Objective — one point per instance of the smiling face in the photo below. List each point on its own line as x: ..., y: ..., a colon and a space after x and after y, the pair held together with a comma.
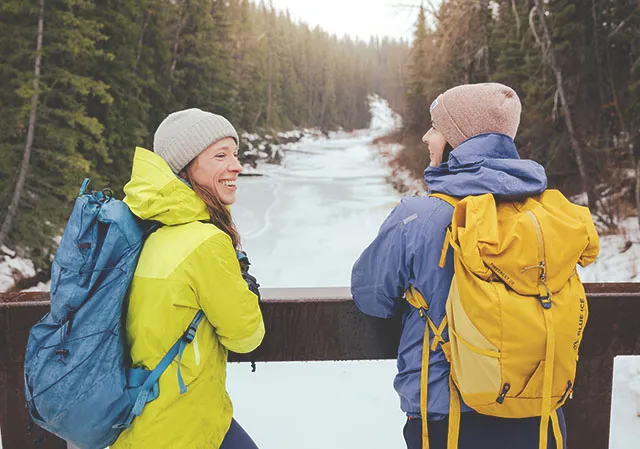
x: 216, y: 169
x: 436, y: 143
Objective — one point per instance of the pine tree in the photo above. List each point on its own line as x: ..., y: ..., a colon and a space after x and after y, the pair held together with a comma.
x: 111, y: 71
x: 417, y: 116
x: 66, y: 140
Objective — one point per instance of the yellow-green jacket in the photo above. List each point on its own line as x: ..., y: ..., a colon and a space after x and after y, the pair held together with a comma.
x: 186, y: 265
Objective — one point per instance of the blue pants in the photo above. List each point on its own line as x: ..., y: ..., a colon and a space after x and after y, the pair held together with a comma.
x: 237, y: 438
x: 483, y: 432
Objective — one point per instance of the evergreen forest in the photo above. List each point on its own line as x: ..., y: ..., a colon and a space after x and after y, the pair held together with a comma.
x: 575, y: 65
x: 85, y: 82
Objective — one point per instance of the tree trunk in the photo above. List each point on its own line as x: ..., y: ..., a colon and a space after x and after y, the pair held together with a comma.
x: 175, y: 46
x: 141, y: 40
x: 484, y: 8
x: 24, y: 167
x: 517, y: 16
x: 550, y: 57
x: 596, y: 51
x: 269, y: 86
x: 638, y: 185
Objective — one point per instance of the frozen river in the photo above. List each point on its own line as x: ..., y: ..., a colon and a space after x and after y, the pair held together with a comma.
x: 303, y: 224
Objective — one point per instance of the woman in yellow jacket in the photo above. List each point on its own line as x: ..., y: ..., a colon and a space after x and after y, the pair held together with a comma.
x: 189, y: 264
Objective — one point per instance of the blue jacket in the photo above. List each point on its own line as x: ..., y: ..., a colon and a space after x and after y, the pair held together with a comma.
x: 407, y: 250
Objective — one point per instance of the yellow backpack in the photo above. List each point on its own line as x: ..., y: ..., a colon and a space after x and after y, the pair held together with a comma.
x: 516, y: 309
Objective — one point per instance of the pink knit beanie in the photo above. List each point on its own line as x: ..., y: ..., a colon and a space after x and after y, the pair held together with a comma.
x: 471, y: 109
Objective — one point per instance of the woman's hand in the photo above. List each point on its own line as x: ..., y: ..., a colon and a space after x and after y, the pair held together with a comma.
x: 251, y: 281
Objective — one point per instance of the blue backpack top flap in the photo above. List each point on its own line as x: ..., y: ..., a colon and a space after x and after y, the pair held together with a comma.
x: 100, y: 237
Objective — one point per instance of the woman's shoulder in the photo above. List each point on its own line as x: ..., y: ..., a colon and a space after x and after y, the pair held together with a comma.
x: 195, y: 230
x: 423, y: 207
x: 187, y: 238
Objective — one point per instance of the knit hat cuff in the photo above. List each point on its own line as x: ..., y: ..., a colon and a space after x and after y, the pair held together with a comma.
x: 444, y: 123
x: 188, y: 144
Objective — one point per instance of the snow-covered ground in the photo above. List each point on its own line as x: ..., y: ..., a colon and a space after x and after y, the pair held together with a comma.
x: 625, y: 403
x: 12, y: 268
x: 619, y: 258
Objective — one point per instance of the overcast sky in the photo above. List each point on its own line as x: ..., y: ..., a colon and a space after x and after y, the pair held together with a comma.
x: 357, y: 18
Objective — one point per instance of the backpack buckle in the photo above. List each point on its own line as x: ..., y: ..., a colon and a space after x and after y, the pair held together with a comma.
x: 545, y: 301
x: 544, y: 295
x: 189, y: 335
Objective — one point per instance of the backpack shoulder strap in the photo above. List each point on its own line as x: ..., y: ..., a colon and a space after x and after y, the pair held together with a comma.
x: 453, y: 201
x: 176, y: 350
x: 447, y: 198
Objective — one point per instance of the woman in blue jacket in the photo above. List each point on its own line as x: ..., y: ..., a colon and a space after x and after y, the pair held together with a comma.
x: 472, y: 152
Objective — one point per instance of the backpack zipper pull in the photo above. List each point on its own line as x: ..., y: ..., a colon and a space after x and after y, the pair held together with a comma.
x: 568, y: 392
x: 503, y: 393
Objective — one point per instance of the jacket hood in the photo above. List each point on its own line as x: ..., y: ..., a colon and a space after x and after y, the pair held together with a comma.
x: 155, y: 193
x: 487, y: 163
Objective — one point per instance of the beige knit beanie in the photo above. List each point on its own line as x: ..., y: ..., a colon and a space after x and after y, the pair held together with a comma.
x: 183, y: 135
x: 471, y: 109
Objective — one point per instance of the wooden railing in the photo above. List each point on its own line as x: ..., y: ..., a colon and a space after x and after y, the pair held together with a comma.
x: 324, y: 324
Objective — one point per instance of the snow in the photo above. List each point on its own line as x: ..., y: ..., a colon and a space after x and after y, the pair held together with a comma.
x: 13, y: 268
x: 316, y: 211
x: 318, y: 405
x: 383, y: 118
x: 619, y: 258
x: 625, y: 403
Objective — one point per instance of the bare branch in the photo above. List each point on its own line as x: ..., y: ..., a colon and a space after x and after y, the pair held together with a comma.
x: 517, y: 16
x: 431, y: 8
x: 532, y: 25
x: 622, y: 24
x: 550, y: 58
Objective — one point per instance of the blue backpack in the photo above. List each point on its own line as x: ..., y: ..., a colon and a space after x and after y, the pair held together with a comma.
x: 79, y: 383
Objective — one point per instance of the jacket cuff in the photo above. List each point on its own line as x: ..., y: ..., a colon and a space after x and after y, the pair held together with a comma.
x: 247, y: 344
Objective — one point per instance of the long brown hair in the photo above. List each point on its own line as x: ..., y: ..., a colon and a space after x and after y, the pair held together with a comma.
x: 219, y: 214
